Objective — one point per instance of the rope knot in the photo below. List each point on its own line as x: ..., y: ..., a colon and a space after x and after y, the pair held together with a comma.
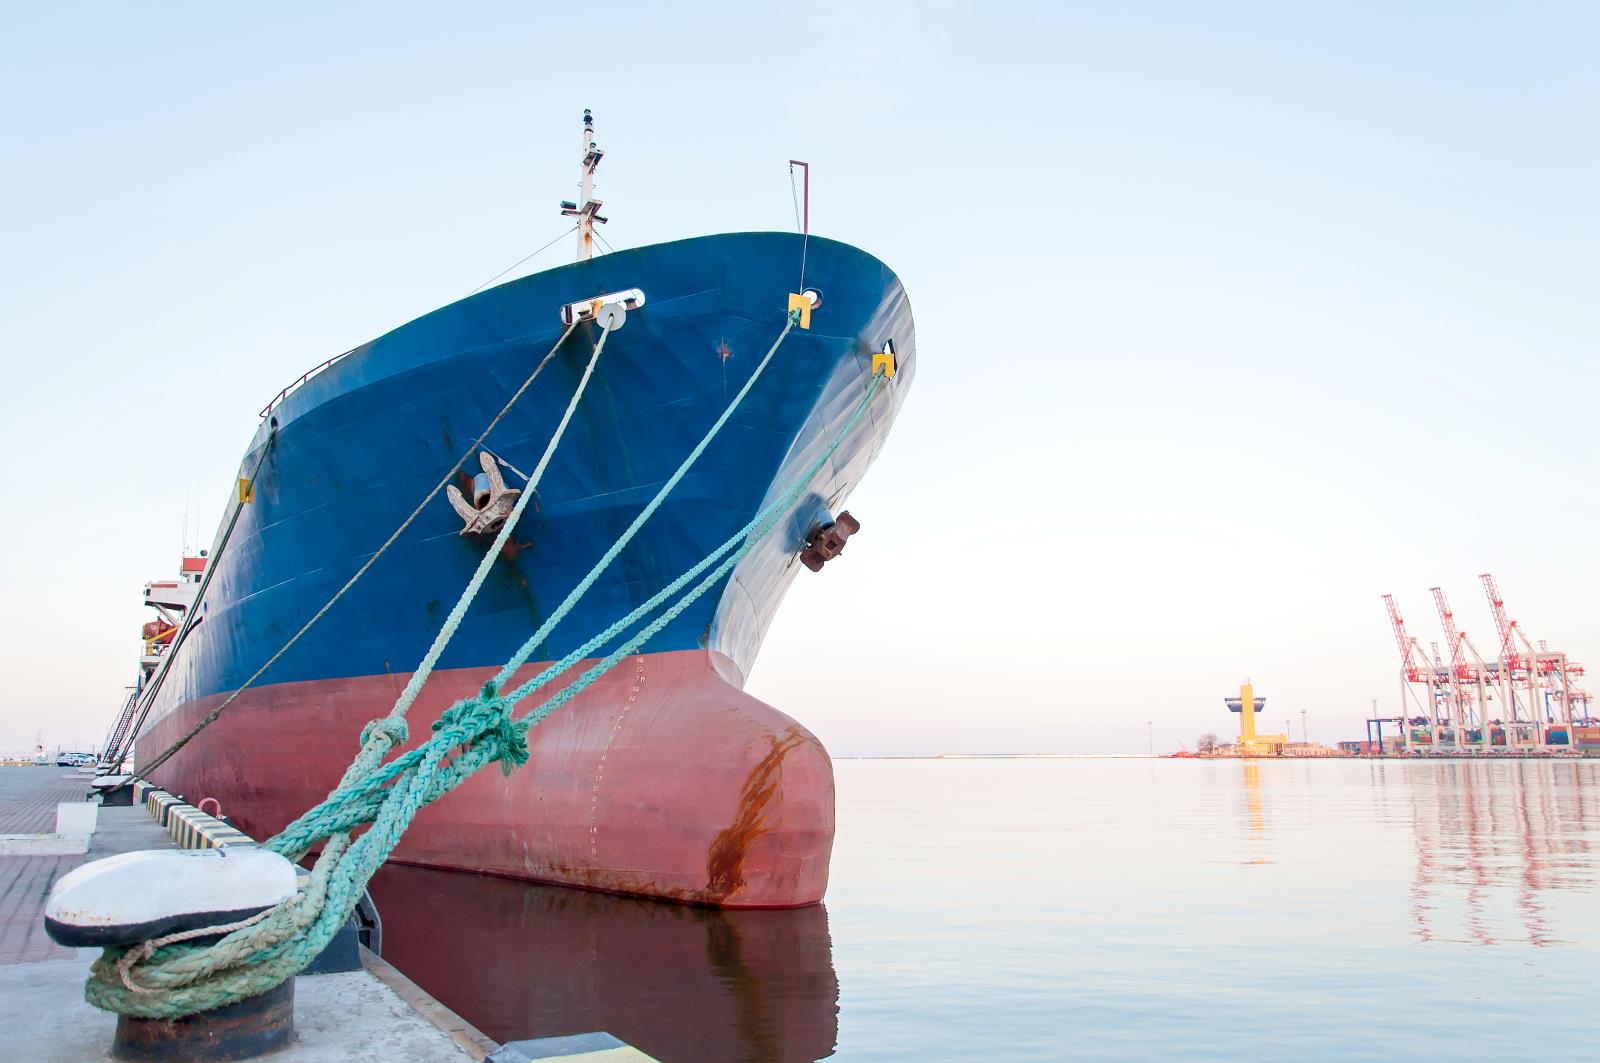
x: 394, y: 731
x: 487, y: 718
x: 511, y: 743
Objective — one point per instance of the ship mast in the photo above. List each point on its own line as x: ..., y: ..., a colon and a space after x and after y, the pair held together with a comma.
x: 587, y: 209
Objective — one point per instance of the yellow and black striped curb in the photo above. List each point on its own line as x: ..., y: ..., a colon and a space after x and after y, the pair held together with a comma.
x: 189, y: 827
x: 192, y: 828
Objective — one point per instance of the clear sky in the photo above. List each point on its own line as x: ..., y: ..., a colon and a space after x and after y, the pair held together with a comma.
x: 1231, y: 317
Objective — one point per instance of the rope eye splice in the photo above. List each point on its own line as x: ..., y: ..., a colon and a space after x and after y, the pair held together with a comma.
x: 394, y: 732
x: 171, y: 979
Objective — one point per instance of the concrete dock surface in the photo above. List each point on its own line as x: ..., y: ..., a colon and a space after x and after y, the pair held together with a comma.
x: 375, y: 1013
x: 336, y: 1017
x: 28, y: 799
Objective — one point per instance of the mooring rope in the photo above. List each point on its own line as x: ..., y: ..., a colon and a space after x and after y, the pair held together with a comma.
x: 189, y: 617
x: 377, y: 738
x: 363, y: 797
x: 519, y: 658
x: 179, y: 978
x: 143, y: 771
x: 447, y: 630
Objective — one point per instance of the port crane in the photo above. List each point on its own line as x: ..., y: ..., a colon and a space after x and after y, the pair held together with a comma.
x: 1523, y: 698
x: 1544, y: 677
x: 1416, y: 671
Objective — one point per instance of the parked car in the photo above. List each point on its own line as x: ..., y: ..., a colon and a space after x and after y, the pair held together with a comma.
x: 74, y: 760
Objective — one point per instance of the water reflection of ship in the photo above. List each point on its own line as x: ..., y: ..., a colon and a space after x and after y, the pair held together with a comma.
x: 521, y: 960
x: 1485, y: 832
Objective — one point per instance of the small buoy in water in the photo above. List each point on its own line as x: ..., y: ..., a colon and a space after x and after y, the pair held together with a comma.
x: 134, y: 897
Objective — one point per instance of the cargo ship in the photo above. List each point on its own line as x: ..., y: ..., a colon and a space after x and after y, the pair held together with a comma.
x: 665, y: 779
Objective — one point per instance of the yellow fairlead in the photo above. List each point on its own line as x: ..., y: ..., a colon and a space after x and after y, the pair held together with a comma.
x: 799, y: 301
x: 885, y: 358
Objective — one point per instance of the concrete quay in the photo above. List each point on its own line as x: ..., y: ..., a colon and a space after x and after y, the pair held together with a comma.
x: 372, y: 1013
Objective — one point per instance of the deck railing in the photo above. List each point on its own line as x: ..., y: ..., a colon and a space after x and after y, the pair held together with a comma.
x: 301, y: 379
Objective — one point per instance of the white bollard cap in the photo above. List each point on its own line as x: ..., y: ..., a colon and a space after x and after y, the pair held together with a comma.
x: 134, y: 897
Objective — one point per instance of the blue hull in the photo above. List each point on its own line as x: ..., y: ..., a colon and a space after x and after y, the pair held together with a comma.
x: 363, y: 441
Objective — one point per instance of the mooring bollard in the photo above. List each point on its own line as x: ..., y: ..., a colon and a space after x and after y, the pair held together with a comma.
x: 250, y: 1028
x: 125, y: 900
x: 114, y: 791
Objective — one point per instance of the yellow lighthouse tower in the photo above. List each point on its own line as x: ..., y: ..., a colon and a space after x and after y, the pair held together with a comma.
x: 1250, y: 743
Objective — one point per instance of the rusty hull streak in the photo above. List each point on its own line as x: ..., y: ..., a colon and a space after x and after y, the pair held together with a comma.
x: 726, y: 855
x: 725, y: 859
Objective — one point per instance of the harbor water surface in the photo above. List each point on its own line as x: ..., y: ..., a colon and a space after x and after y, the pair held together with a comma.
x: 1042, y: 909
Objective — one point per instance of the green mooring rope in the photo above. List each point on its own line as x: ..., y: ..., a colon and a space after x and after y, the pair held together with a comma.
x: 176, y: 978
x: 171, y: 978
x: 144, y: 771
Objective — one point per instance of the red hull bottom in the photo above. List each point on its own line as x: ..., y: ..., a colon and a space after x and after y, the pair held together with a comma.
x: 662, y: 780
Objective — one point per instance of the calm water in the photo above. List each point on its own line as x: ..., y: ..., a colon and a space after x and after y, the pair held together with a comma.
x: 1072, y: 909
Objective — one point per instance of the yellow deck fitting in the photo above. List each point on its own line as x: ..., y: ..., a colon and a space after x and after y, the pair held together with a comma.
x: 801, y: 303
x: 885, y: 358
x: 247, y: 491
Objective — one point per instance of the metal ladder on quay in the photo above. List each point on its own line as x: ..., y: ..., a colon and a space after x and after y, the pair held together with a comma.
x: 119, y: 730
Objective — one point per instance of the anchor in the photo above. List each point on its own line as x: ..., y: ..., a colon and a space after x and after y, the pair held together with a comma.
x: 492, y: 501
x: 827, y: 538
